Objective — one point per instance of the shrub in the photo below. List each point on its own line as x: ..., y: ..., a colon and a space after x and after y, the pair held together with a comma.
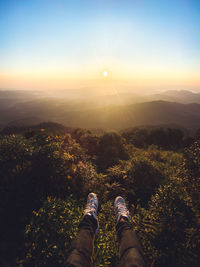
x: 50, y: 232
x: 32, y: 169
x: 106, y: 250
x: 166, y: 228
x: 139, y: 178
x: 111, y: 149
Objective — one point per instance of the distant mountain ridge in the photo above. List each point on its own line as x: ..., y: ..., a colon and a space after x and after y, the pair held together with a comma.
x: 180, y: 96
x: 148, y: 113
x: 116, y: 113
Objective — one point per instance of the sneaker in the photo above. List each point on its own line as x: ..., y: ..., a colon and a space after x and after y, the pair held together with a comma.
x: 121, y: 209
x: 91, y: 206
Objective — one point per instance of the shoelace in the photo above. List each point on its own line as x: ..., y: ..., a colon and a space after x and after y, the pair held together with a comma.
x: 90, y: 206
x: 121, y: 208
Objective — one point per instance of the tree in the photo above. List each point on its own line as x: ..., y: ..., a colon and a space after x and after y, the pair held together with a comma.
x: 111, y: 150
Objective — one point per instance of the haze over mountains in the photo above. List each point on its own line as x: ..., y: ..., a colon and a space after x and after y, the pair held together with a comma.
x: 91, y: 108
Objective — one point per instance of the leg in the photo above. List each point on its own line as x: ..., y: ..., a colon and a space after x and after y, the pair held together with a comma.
x: 81, y: 251
x: 131, y: 254
x: 82, y: 247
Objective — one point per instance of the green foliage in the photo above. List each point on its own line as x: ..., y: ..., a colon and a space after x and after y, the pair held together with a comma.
x: 111, y: 150
x: 106, y: 250
x: 168, y: 226
x: 192, y: 159
x: 190, y: 174
x: 50, y: 232
x: 167, y: 162
x: 165, y: 138
x: 63, y: 166
x: 32, y: 169
x: 15, y: 152
x: 45, y: 178
x: 138, y: 179
x: 29, y: 131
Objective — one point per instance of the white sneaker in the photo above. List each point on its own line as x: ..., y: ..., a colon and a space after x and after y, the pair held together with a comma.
x: 121, y: 209
x: 91, y: 206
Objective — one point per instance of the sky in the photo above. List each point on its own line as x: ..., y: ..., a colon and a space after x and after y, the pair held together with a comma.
x: 142, y: 45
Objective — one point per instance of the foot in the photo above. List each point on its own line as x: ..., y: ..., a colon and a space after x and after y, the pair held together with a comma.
x: 121, y: 209
x: 91, y: 206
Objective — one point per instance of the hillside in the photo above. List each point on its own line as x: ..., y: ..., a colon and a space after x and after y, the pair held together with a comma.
x: 82, y: 108
x: 47, y: 170
x: 148, y: 113
x: 110, y: 117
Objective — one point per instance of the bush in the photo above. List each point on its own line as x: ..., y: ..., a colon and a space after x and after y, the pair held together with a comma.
x: 167, y: 226
x: 30, y: 171
x: 111, y: 149
x: 106, y: 250
x: 50, y: 232
x: 138, y: 179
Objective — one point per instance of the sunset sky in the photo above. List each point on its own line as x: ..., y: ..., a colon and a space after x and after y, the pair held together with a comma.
x: 141, y: 44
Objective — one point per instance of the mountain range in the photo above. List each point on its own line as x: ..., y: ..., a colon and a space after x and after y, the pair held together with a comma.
x: 113, y: 111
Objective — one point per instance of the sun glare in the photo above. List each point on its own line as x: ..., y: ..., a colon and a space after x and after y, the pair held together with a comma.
x: 105, y: 73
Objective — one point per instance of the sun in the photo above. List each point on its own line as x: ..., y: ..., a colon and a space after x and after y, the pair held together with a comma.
x: 105, y: 74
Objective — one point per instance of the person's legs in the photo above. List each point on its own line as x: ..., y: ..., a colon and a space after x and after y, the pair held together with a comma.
x: 82, y: 247
x: 81, y: 250
x: 131, y: 254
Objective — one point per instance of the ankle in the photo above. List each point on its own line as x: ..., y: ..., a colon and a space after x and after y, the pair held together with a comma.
x: 124, y: 219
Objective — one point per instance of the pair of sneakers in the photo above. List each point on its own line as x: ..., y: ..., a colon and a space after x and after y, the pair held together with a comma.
x: 119, y: 206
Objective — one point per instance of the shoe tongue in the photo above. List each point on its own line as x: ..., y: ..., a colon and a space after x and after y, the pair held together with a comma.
x: 121, y: 207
